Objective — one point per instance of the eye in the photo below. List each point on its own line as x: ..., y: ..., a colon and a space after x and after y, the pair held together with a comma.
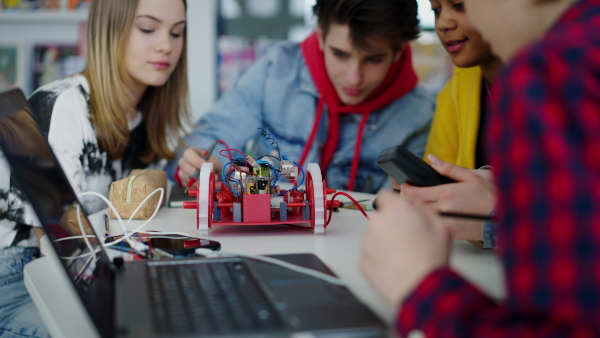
x: 146, y: 31
x: 375, y: 60
x: 339, y: 54
x: 176, y: 35
x: 459, y: 6
x: 436, y: 11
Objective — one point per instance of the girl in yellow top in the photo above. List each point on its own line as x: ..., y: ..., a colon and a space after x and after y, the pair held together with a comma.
x: 455, y: 134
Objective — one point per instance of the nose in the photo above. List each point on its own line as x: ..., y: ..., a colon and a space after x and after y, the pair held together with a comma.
x: 445, y: 21
x: 354, y: 73
x: 164, y: 44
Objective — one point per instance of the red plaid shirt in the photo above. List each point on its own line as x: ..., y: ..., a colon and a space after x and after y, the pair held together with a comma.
x: 544, y: 141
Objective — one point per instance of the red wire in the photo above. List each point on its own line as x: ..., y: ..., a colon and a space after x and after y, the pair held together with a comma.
x: 227, y: 148
x: 230, y: 155
x: 236, y: 168
x: 353, y: 201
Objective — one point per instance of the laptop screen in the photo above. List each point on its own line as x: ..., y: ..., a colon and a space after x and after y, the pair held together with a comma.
x: 43, y: 183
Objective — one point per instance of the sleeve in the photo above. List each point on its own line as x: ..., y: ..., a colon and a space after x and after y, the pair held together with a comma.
x: 417, y: 141
x: 443, y: 135
x: 422, y: 110
x: 234, y: 118
x: 69, y: 132
x: 489, y: 233
x: 541, y: 137
x: 13, y: 204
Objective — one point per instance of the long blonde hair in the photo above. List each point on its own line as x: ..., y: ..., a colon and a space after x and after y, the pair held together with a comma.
x: 164, y: 109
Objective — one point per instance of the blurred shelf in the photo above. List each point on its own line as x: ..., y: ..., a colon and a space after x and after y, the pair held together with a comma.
x: 42, y: 17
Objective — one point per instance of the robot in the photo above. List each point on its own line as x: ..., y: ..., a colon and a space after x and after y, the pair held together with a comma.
x: 249, y: 195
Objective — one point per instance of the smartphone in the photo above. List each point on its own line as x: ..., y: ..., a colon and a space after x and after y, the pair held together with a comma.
x: 182, y: 246
x: 171, y: 246
x: 404, y: 166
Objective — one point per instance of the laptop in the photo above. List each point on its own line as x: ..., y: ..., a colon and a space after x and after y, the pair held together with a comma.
x: 186, y: 297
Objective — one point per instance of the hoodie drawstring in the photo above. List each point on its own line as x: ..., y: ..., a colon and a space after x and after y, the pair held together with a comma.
x: 356, y: 159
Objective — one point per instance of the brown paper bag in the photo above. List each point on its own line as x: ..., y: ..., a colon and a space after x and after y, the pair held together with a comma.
x: 127, y: 194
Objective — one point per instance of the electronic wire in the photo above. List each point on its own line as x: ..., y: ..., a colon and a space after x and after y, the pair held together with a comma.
x: 126, y: 233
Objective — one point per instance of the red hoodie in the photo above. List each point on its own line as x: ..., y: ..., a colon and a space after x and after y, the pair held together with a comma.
x: 400, y: 79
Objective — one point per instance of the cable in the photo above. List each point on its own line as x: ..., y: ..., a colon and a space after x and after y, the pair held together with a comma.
x: 226, y: 178
x: 126, y: 233
x: 268, y: 137
x: 351, y: 198
x: 230, y: 157
x: 275, y: 157
x: 124, y: 227
x: 299, y: 184
x: 305, y: 271
x: 226, y: 147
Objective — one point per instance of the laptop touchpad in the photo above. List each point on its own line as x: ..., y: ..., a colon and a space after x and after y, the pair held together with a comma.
x: 298, y: 292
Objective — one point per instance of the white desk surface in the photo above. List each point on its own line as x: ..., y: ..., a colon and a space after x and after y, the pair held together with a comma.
x: 339, y: 247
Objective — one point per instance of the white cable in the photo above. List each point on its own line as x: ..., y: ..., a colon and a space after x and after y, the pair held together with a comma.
x: 306, y: 271
x: 126, y: 234
x: 85, y: 238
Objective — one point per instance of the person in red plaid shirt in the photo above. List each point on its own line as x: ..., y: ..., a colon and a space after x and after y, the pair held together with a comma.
x: 544, y: 140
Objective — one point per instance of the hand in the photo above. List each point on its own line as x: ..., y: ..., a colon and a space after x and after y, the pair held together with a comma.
x: 395, y: 185
x: 192, y: 159
x: 474, y: 193
x: 403, y: 244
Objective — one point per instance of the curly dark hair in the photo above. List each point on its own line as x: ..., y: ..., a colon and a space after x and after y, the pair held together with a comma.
x: 394, y: 19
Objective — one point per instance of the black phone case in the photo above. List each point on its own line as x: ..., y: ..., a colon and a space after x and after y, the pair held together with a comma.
x: 404, y: 166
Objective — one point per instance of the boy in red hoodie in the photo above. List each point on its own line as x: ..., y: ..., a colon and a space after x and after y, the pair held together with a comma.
x: 337, y: 99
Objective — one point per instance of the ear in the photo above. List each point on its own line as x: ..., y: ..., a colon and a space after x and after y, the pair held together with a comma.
x: 321, y: 39
x: 400, y: 51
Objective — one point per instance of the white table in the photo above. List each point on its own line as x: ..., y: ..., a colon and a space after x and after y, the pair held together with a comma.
x: 339, y: 247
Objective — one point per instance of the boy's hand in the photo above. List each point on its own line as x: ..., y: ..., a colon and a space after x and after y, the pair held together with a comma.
x: 404, y: 243
x: 192, y: 160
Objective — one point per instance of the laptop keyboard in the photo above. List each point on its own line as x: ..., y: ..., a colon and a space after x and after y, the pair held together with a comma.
x: 220, y: 297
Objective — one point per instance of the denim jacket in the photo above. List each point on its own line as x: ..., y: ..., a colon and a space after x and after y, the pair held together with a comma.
x: 278, y: 94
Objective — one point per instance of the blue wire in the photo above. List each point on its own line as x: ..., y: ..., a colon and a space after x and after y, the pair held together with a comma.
x: 274, y: 182
x: 227, y: 179
x: 223, y: 173
x: 299, y: 184
x: 303, y: 174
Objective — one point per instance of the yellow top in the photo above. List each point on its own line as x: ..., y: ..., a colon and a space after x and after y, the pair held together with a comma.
x: 455, y: 126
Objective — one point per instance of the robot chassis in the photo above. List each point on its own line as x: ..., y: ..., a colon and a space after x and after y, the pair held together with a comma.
x: 308, y: 206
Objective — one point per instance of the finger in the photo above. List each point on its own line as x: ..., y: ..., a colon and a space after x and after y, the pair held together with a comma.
x: 186, y: 168
x: 448, y: 169
x: 217, y: 166
x: 395, y: 185
x: 486, y: 174
x: 194, y: 156
x: 416, y: 194
x: 386, y: 200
